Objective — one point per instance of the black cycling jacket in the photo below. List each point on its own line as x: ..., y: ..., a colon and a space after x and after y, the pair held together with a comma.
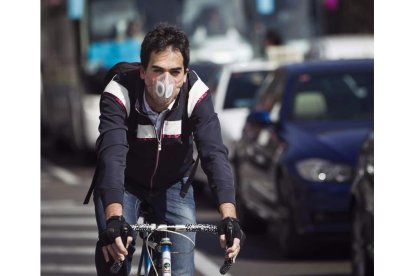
x: 131, y: 156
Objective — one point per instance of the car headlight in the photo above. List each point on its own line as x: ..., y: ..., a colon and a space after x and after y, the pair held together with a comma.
x: 321, y: 170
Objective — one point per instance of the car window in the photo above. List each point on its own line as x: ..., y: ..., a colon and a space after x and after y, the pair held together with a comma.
x: 242, y: 88
x: 333, y: 97
x: 270, y: 95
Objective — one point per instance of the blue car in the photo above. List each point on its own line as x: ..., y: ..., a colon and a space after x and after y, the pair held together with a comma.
x: 295, y: 162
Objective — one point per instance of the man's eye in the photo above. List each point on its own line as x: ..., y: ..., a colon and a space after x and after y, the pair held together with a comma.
x: 175, y: 73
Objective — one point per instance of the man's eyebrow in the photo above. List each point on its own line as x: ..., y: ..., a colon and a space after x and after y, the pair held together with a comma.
x: 161, y: 68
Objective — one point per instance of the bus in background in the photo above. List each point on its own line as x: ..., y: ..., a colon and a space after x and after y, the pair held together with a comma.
x: 82, y: 39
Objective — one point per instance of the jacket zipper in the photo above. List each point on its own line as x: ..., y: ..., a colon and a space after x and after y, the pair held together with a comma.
x: 158, y: 152
x: 159, y: 142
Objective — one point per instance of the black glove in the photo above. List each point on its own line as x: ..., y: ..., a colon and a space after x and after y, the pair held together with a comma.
x: 116, y: 226
x: 231, y: 229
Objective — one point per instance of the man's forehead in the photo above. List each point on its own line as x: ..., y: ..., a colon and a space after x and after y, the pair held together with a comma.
x: 167, y: 59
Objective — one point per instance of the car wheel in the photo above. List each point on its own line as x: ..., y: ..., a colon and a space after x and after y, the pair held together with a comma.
x: 248, y: 221
x: 287, y: 238
x: 361, y: 265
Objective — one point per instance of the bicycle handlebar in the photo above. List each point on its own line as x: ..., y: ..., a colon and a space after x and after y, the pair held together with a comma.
x: 177, y: 228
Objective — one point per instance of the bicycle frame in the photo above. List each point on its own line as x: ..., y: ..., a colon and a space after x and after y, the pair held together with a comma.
x: 165, y: 248
x: 144, y: 259
x: 161, y: 254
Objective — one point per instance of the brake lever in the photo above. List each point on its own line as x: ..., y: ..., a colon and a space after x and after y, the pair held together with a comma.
x: 117, y: 265
x: 229, y: 243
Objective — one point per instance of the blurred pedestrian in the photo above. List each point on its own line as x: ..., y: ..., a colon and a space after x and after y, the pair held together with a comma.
x: 134, y: 30
x: 272, y: 38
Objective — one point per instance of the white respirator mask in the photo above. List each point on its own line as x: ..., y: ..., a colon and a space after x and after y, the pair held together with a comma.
x: 162, y: 91
x: 164, y: 87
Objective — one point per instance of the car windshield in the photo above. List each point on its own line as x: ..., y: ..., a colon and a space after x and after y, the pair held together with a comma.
x: 347, y: 96
x: 210, y: 17
x: 242, y: 89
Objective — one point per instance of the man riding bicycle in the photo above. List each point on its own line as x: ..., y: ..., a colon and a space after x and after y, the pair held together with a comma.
x: 150, y: 117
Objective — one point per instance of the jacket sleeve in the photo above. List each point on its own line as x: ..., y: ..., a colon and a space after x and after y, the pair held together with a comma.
x: 213, y: 153
x: 112, y: 145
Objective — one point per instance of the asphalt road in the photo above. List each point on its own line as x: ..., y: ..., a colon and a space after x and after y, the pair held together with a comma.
x: 68, y: 230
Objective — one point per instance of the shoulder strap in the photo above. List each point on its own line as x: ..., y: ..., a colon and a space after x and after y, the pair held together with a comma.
x: 91, y: 187
x: 186, y: 185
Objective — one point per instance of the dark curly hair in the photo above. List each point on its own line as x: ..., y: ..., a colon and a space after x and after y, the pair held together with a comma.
x: 162, y: 36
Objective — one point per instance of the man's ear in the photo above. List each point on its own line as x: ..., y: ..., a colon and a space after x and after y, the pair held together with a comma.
x: 141, y: 72
x: 185, y: 75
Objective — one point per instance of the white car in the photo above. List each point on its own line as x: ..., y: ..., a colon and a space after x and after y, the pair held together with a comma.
x: 70, y: 113
x: 233, y: 93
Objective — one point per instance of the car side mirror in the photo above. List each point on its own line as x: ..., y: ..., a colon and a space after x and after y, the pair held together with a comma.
x: 259, y: 117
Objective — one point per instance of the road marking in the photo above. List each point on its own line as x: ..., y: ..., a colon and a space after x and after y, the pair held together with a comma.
x: 71, y: 268
x: 205, y: 265
x: 59, y: 221
x: 64, y: 175
x: 69, y: 235
x: 51, y: 209
x: 59, y: 203
x: 75, y: 269
x: 67, y: 250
